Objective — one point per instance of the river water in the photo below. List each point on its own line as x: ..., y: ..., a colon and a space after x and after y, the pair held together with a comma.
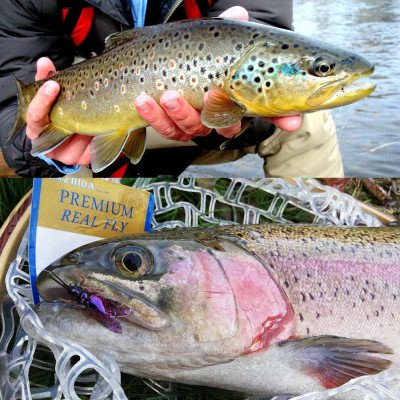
x: 369, y: 130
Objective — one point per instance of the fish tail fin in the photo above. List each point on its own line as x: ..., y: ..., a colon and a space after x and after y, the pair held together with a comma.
x: 23, y: 103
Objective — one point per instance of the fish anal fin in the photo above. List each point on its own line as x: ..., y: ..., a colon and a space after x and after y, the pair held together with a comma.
x: 220, y: 110
x: 336, y: 360
x: 49, y: 138
x: 104, y: 149
x: 135, y: 145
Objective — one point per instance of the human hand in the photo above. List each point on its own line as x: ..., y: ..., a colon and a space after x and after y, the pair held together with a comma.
x: 75, y: 150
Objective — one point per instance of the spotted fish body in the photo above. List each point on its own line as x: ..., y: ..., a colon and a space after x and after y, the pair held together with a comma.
x: 264, y: 309
x: 246, y: 68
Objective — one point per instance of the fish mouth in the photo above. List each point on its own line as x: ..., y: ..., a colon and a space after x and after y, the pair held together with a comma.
x: 340, y: 93
x: 143, y: 312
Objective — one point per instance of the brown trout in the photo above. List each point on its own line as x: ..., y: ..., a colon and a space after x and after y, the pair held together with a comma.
x: 248, y: 69
x: 261, y: 309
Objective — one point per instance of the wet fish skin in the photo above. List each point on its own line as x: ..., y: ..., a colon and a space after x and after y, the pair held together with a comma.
x: 248, y: 69
x: 212, y: 306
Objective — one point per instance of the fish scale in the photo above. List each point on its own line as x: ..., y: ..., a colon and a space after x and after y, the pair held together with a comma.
x: 246, y: 69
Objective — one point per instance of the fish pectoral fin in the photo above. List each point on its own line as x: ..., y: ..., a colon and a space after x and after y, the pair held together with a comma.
x: 49, y: 138
x: 220, y: 110
x: 335, y: 360
x: 104, y: 149
x: 135, y: 145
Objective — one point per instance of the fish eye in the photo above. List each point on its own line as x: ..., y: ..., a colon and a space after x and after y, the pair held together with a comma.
x: 133, y: 261
x: 322, y: 66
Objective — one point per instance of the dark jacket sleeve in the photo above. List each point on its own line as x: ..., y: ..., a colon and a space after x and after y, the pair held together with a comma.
x: 29, y: 29
x: 278, y: 13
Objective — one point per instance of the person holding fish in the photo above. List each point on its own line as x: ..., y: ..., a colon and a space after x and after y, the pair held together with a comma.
x: 177, y: 133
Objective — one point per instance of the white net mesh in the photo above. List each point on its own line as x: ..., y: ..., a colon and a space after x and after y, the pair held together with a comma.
x: 76, y: 372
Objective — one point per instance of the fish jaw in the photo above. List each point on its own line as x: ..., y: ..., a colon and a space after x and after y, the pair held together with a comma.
x: 347, y: 92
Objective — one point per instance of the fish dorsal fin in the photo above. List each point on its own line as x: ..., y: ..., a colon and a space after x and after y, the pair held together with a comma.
x: 135, y: 145
x: 119, y: 38
x: 335, y: 360
x: 220, y: 110
x: 105, y: 149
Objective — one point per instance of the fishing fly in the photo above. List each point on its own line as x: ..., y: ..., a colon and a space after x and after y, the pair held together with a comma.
x: 102, y: 309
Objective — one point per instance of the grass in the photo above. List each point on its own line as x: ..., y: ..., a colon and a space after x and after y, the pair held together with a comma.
x: 11, y: 192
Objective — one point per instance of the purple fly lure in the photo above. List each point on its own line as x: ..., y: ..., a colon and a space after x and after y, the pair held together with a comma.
x: 101, y: 308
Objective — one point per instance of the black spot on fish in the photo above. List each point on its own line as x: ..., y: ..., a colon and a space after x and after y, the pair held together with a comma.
x: 176, y: 34
x: 271, y: 70
x: 250, y: 67
x: 188, y: 67
x: 296, y: 45
x: 211, y: 28
x: 286, y: 283
x: 208, y: 58
x: 256, y: 35
x: 141, y: 79
x: 301, y: 317
x: 239, y: 47
x: 303, y: 297
x: 160, y: 40
x: 257, y: 79
x: 210, y: 76
x: 285, y: 46
x: 201, y: 46
x: 187, y: 46
x: 174, y: 79
x: 206, y: 88
x: 141, y: 287
x: 244, y: 77
x: 261, y: 64
x: 216, y: 34
x: 164, y: 72
x: 195, y: 63
x: 226, y: 72
x: 275, y: 60
x: 186, y: 36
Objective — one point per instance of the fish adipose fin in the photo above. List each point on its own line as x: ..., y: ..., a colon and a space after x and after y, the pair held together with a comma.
x: 135, y: 145
x: 220, y: 110
x: 105, y: 149
x: 49, y: 138
x: 23, y: 103
x: 336, y: 360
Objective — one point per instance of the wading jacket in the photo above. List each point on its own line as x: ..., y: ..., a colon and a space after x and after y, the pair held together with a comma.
x: 61, y: 29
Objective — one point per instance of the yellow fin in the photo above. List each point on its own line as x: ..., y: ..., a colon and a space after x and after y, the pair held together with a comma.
x: 105, y: 149
x: 135, y: 145
x: 220, y: 110
x: 49, y: 138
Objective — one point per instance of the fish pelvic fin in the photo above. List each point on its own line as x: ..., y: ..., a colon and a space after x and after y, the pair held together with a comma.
x: 104, y: 149
x: 49, y: 138
x: 23, y: 103
x: 135, y: 145
x: 220, y: 110
x: 336, y: 360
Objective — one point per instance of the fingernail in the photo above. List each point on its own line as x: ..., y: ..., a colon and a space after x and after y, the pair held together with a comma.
x: 144, y: 107
x: 50, y: 88
x: 172, y: 105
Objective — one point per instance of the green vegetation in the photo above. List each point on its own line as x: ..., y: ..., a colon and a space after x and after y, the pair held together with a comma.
x: 11, y: 192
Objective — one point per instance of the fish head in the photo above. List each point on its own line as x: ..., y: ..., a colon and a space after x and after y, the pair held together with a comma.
x: 296, y: 74
x: 201, y: 296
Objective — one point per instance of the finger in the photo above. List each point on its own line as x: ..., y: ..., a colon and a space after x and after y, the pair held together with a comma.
x: 183, y: 114
x: 45, y: 69
x: 289, y: 124
x: 74, y: 151
x: 149, y: 110
x: 236, y: 12
x: 38, y: 111
x: 230, y: 131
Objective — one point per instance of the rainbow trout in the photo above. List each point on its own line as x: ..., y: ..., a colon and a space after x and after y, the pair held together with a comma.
x: 248, y: 69
x: 264, y: 309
